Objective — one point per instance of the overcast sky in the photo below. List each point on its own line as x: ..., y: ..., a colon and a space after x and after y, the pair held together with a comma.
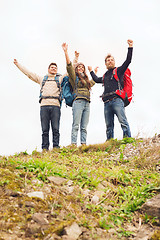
x: 32, y: 31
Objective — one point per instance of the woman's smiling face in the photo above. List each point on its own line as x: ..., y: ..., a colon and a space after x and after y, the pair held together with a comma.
x: 80, y: 68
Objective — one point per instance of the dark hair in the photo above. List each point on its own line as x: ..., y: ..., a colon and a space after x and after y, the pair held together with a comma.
x: 83, y: 77
x: 52, y: 64
x: 108, y: 56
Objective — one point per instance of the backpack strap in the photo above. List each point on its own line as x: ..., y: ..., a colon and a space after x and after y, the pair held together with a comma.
x: 76, y: 82
x: 115, y: 75
x: 58, y: 85
x: 43, y: 83
x: 76, y: 85
x: 57, y: 81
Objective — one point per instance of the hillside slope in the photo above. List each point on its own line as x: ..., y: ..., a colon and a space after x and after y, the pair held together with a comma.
x: 98, y: 190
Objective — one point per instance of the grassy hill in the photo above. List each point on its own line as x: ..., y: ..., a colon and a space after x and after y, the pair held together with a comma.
x: 100, y: 187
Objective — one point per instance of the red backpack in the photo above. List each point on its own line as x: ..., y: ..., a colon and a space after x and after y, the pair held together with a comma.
x: 126, y: 92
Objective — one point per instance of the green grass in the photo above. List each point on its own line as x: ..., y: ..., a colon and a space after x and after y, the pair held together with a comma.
x: 127, y: 183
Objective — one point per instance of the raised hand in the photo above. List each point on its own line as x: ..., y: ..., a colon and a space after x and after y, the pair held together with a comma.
x: 65, y: 47
x: 130, y: 42
x: 15, y: 61
x: 76, y: 54
x: 96, y: 70
x: 90, y: 68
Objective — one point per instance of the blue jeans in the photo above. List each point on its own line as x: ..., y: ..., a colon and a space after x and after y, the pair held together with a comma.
x: 80, y: 112
x: 116, y: 106
x: 50, y: 114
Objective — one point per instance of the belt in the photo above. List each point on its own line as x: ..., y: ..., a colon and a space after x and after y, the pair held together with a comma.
x: 111, y: 99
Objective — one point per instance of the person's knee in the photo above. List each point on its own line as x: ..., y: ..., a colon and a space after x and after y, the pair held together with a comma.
x: 75, y: 128
x: 45, y: 133
x: 83, y: 129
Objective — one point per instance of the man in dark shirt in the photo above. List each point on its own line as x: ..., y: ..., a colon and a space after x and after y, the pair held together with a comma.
x: 113, y: 104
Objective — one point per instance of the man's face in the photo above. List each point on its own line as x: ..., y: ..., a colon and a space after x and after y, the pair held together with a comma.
x: 52, y: 69
x: 80, y: 68
x: 110, y: 63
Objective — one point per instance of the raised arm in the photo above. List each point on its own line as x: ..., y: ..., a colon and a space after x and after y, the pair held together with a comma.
x: 94, y: 76
x: 65, y: 49
x: 34, y: 77
x: 125, y: 65
x: 70, y: 69
x: 75, y: 60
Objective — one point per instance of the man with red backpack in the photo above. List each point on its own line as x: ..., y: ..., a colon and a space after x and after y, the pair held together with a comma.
x: 114, y: 97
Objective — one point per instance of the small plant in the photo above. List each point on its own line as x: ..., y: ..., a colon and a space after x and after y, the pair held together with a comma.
x: 103, y: 224
x: 146, y: 218
x: 124, y: 233
x: 4, y: 182
x: 122, y: 147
